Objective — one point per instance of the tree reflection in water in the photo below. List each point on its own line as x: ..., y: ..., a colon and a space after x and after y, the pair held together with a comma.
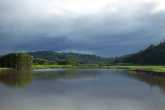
x: 65, y: 74
x: 16, y: 78
x: 23, y: 78
x: 151, y: 80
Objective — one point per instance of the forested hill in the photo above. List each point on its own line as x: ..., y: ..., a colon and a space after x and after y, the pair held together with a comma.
x: 153, y: 55
x: 65, y: 58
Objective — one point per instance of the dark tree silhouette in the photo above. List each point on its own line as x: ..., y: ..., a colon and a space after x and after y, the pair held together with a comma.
x: 18, y: 61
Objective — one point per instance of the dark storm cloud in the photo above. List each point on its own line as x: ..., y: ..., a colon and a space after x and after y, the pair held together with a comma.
x: 24, y: 26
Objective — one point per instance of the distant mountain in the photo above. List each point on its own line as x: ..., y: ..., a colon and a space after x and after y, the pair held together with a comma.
x: 63, y: 58
x: 153, y: 55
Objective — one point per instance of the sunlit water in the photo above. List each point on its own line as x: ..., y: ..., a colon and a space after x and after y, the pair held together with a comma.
x: 81, y: 90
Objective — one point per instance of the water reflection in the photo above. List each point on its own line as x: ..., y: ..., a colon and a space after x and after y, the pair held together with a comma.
x: 64, y: 74
x: 24, y: 78
x: 16, y: 79
x: 81, y: 90
x: 151, y: 80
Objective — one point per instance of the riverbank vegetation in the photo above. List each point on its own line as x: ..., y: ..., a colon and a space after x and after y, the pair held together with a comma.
x: 142, y: 68
x: 153, y: 55
x: 17, y: 61
x: 61, y: 58
x: 151, y: 59
x: 146, y: 68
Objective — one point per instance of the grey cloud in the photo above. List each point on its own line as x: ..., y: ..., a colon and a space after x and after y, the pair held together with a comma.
x: 104, y: 33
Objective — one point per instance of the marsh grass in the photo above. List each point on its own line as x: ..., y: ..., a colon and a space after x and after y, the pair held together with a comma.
x: 160, y: 69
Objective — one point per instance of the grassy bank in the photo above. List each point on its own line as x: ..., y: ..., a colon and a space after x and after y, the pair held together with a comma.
x: 158, y: 69
x: 82, y: 66
x: 51, y: 66
x: 2, y: 70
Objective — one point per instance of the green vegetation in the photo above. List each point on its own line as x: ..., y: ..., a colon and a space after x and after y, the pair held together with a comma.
x: 141, y: 61
x: 153, y: 55
x: 49, y: 59
x: 17, y: 61
x: 40, y: 61
x: 48, y: 66
x: 80, y: 66
x: 15, y: 78
x: 60, y: 58
x: 155, y: 69
x: 71, y: 60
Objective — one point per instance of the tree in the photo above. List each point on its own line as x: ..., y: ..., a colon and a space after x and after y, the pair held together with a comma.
x: 72, y: 60
x: 18, y: 61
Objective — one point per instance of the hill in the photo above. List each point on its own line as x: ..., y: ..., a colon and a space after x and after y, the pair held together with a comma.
x: 153, y: 55
x: 65, y: 58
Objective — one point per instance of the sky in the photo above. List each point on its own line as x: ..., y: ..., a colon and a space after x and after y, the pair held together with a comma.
x: 101, y: 27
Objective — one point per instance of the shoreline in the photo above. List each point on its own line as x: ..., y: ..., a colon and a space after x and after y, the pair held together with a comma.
x: 147, y: 68
x: 153, y: 70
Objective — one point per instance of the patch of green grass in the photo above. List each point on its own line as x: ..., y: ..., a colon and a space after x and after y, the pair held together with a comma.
x: 82, y: 66
x: 51, y: 66
x: 160, y: 69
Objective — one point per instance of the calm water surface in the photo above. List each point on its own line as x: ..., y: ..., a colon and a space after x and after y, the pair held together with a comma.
x: 81, y: 90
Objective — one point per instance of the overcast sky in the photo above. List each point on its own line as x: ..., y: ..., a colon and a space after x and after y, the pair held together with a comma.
x: 102, y: 27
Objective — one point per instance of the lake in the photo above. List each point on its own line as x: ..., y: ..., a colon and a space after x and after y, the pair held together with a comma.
x: 89, y: 89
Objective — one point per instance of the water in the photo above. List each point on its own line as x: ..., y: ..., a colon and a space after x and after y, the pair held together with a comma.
x: 81, y: 90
